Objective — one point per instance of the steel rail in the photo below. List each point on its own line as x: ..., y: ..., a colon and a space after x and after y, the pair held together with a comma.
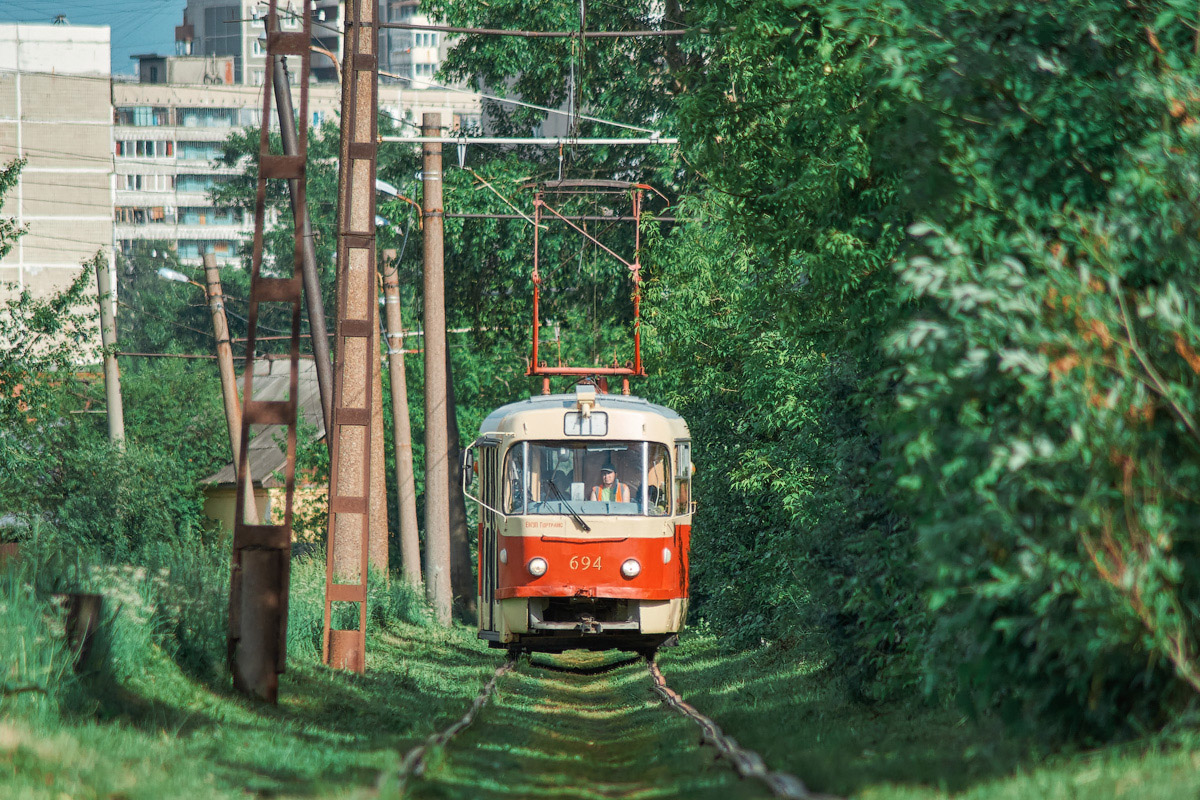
x: 413, y: 763
x: 748, y: 763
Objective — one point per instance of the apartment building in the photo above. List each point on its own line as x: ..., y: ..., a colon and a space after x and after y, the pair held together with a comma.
x: 56, y: 114
x: 167, y: 136
x: 406, y: 55
x: 165, y: 140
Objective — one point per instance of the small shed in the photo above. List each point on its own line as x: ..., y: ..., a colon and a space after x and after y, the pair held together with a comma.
x: 267, y: 456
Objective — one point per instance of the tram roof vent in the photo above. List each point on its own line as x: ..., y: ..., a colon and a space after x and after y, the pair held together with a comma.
x: 585, y: 398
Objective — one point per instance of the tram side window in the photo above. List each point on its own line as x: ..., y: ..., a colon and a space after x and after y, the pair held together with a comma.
x: 515, y: 493
x: 594, y: 477
x: 683, y: 458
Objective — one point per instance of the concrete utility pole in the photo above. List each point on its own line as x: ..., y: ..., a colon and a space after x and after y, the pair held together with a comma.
x: 462, y: 579
x: 108, y: 338
x: 308, y: 261
x: 437, y: 469
x: 377, y: 536
x: 410, y: 548
x: 229, y: 391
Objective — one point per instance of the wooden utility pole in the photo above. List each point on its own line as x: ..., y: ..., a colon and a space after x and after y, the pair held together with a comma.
x: 410, y: 548
x: 229, y: 392
x: 437, y: 468
x: 108, y: 338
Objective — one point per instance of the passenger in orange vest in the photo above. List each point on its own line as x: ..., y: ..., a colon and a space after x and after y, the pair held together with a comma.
x: 610, y: 488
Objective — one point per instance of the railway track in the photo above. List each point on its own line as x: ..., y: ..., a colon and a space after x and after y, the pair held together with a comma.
x: 585, y: 726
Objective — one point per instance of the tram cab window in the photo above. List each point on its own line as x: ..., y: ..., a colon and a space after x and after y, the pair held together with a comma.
x: 557, y: 477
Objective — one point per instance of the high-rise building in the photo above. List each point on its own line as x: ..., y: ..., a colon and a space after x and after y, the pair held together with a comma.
x: 234, y: 28
x: 56, y: 115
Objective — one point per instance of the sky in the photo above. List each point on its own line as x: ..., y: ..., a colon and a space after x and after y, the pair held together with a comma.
x: 138, y: 26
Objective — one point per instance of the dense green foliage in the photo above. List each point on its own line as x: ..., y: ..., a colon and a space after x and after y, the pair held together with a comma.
x: 932, y: 323
x: 1026, y: 372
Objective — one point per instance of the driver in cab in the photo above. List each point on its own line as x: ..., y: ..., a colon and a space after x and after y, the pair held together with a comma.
x: 609, y: 488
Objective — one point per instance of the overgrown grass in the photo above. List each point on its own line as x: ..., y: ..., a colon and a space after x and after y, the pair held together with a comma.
x: 785, y: 703
x: 152, y: 714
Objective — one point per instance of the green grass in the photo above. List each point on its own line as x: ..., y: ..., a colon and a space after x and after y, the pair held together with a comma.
x: 562, y: 735
x: 166, y: 735
x: 786, y: 705
x: 153, y: 716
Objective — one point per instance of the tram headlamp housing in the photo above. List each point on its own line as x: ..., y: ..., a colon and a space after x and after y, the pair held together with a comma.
x: 631, y: 568
x: 537, y: 567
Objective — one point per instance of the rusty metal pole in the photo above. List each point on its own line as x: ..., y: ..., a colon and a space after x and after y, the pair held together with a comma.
x: 410, y: 548
x: 261, y: 563
x: 108, y: 338
x: 312, y: 282
x: 229, y: 391
x: 437, y: 469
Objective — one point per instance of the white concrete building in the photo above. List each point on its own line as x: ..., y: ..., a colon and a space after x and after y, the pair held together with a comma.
x: 165, y: 140
x: 56, y: 113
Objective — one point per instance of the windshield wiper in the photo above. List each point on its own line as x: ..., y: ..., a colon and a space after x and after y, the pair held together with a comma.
x: 578, y: 520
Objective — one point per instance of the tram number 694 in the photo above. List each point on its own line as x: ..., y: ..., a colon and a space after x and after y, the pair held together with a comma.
x: 585, y: 562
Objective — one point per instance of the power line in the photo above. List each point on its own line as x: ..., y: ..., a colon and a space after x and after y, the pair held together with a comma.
x: 410, y: 26
x: 429, y: 85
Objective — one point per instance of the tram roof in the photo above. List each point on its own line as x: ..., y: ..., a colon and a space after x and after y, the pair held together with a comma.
x: 551, y: 402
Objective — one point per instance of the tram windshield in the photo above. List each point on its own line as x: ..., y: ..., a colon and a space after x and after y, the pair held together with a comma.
x: 593, y: 478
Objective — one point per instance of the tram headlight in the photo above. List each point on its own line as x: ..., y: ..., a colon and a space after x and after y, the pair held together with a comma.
x: 666, y: 555
x: 631, y: 568
x: 537, y: 567
x: 503, y: 556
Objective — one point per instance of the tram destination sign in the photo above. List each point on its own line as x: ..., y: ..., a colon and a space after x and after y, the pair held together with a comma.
x: 594, y: 424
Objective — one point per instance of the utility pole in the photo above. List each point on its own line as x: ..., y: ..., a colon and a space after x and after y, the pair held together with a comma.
x: 377, y: 536
x: 229, y: 392
x: 410, y: 548
x: 437, y: 469
x: 351, y: 435
x: 462, y: 580
x: 108, y: 338
x: 308, y: 261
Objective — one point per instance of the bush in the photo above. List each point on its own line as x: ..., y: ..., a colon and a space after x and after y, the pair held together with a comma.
x: 120, y: 501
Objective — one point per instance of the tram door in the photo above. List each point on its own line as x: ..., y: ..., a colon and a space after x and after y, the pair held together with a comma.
x: 490, y: 488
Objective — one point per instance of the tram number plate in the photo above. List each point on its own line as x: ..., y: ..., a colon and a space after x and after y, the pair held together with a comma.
x: 585, y: 562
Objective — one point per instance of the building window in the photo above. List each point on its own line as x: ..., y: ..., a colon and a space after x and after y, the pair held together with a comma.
x: 208, y: 216
x: 143, y: 116
x: 198, y: 183
x: 426, y: 40
x: 148, y: 183
x: 207, y: 117
x: 145, y: 148
x: 199, y: 151
x: 423, y: 70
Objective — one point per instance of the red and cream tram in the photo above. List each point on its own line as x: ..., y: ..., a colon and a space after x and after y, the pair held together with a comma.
x: 585, y: 513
